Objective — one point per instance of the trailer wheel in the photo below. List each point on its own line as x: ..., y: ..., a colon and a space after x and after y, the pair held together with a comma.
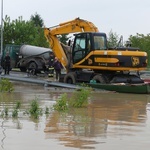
x: 70, y: 78
x: 99, y: 79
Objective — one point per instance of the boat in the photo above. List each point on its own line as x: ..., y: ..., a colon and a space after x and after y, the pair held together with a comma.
x: 142, y: 88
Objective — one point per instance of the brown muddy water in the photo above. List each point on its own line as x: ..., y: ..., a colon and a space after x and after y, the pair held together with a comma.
x: 112, y: 121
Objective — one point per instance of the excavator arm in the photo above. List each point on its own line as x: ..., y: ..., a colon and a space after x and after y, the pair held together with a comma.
x: 73, y: 26
x: 76, y: 25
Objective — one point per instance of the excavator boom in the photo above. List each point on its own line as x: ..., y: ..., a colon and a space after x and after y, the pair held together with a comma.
x: 73, y: 26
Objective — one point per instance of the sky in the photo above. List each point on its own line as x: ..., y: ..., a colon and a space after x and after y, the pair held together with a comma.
x: 123, y: 17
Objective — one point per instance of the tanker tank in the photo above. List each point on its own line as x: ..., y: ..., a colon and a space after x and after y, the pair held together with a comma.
x: 29, y: 50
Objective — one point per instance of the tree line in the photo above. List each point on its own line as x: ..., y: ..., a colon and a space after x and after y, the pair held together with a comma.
x: 19, y: 31
x: 31, y: 32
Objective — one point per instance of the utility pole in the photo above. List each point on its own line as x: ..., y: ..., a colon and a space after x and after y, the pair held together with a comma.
x: 1, y: 27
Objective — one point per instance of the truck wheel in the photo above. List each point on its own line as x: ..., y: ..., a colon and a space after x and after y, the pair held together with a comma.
x: 23, y: 69
x: 70, y: 78
x: 32, y: 65
x: 99, y: 79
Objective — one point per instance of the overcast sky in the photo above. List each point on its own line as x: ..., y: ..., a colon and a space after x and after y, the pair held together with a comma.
x: 125, y: 17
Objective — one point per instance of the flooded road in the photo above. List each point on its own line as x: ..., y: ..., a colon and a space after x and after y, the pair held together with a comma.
x: 112, y: 121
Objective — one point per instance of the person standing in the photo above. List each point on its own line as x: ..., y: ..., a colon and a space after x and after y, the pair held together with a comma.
x: 57, y: 67
x: 7, y: 63
x: 51, y: 68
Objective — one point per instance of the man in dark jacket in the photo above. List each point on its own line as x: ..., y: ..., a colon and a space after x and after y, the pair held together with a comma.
x: 57, y: 67
x: 51, y: 68
x: 7, y: 63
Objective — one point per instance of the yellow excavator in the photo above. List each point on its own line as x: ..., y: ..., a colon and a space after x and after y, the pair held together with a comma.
x: 89, y: 58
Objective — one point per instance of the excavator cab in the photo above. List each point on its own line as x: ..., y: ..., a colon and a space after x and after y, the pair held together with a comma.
x: 86, y: 42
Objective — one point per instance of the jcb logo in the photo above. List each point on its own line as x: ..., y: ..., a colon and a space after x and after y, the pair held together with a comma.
x: 135, y: 61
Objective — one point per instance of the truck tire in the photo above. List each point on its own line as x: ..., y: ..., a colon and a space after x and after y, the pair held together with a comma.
x: 70, y: 78
x: 32, y: 65
x: 23, y: 69
x: 99, y: 79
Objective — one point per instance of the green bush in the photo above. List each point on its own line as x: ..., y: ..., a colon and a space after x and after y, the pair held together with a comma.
x: 34, y: 109
x: 61, y: 104
x: 6, y: 111
x: 6, y: 85
x: 78, y: 99
x: 18, y: 105
x: 15, y: 113
x: 16, y: 109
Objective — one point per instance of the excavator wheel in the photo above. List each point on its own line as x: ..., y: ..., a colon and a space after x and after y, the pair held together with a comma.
x: 99, y: 79
x: 70, y: 78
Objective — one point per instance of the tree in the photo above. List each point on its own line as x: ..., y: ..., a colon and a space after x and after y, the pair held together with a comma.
x: 19, y: 32
x: 37, y: 20
x: 63, y: 38
x: 7, y: 31
x: 112, y: 39
x: 141, y: 41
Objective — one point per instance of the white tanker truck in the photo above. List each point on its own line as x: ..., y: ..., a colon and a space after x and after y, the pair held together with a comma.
x: 27, y: 57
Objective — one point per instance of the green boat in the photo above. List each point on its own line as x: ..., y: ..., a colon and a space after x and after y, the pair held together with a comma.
x: 143, y: 88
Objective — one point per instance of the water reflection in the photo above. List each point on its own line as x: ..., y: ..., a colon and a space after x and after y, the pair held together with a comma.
x: 107, y: 115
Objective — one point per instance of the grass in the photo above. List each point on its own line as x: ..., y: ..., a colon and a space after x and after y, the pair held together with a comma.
x: 16, y: 109
x: 6, y: 85
x: 35, y: 111
x: 15, y: 113
x: 6, y: 111
x: 78, y: 99
x: 62, y: 103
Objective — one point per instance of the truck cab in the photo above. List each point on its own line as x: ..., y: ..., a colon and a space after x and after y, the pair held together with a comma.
x: 13, y: 51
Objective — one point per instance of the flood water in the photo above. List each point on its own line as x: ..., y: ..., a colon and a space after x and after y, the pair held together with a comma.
x: 112, y: 121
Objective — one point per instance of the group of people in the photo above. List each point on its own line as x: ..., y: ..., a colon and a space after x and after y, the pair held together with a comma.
x: 55, y: 64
